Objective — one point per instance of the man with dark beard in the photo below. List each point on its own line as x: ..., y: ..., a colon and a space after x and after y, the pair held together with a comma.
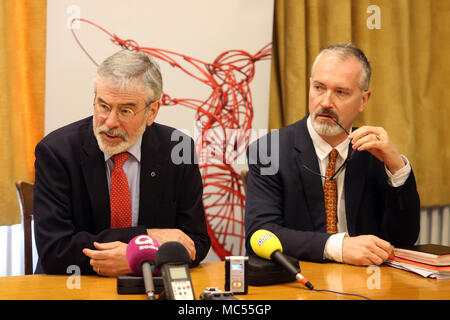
x: 105, y: 179
x: 340, y: 194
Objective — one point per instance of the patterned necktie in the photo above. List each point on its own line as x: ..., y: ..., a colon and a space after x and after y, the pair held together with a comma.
x: 120, y: 194
x: 330, y: 193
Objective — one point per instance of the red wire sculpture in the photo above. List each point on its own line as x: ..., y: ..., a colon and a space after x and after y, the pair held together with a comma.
x: 224, y: 121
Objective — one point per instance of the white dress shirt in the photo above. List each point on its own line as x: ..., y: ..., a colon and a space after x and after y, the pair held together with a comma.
x: 333, y: 247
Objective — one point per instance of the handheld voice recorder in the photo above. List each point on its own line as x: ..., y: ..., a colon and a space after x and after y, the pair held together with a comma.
x: 236, y: 272
x: 177, y: 282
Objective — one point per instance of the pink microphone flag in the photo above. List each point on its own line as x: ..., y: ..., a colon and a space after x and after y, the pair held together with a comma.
x: 142, y: 248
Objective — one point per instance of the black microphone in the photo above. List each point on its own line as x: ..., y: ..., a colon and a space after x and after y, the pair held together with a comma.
x: 281, y: 259
x: 173, y: 260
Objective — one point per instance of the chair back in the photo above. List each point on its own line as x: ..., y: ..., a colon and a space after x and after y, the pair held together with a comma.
x: 25, y: 193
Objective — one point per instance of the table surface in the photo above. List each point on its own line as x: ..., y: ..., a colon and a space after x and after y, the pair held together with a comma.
x: 378, y: 283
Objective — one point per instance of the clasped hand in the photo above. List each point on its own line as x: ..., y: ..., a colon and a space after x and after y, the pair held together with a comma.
x: 109, y: 258
x: 365, y: 250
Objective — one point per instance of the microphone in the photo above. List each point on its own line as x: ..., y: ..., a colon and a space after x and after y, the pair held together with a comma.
x: 141, y: 253
x: 173, y: 260
x: 267, y: 245
x: 172, y: 252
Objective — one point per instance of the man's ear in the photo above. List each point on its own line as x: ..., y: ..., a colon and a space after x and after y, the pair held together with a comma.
x: 153, y: 112
x: 364, y: 100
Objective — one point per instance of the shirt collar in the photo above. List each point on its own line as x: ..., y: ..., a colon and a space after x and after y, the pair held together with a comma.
x: 134, y: 150
x: 322, y: 147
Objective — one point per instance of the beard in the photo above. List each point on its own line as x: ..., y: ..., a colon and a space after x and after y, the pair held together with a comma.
x: 112, y: 148
x: 325, y: 127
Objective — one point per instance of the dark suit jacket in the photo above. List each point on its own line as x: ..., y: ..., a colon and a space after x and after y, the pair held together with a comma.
x: 71, y: 198
x: 290, y: 203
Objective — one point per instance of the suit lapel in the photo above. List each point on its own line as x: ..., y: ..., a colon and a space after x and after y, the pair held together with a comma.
x: 151, y: 176
x: 94, y: 171
x: 312, y: 184
x: 355, y: 178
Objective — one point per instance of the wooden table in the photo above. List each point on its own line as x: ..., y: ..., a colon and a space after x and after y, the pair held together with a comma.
x: 393, y: 284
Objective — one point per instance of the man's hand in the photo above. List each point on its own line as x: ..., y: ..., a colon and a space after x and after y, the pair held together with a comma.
x: 164, y: 235
x: 376, y: 141
x: 109, y: 259
x: 365, y: 250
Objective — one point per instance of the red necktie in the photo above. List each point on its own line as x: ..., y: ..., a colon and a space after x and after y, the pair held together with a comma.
x: 120, y: 194
x: 330, y: 193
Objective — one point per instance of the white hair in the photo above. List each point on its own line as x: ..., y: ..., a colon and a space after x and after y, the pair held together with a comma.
x: 125, y: 67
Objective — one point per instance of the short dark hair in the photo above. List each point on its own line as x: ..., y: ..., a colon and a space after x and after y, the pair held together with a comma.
x: 343, y: 51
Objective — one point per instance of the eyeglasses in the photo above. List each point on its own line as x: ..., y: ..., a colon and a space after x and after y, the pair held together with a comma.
x: 103, y: 110
x: 341, y: 168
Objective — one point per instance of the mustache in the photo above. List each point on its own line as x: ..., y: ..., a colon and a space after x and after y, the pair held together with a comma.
x: 327, y: 112
x: 112, y: 132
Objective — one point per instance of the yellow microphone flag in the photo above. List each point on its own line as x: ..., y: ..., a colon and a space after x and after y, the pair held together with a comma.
x: 264, y: 243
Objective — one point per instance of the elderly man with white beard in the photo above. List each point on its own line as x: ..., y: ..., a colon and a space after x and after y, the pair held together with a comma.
x: 105, y: 179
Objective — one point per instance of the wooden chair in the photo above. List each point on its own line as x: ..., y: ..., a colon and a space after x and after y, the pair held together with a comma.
x: 25, y: 194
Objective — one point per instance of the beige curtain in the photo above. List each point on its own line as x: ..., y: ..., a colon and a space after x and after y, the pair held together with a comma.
x: 22, y: 79
x: 410, y: 57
